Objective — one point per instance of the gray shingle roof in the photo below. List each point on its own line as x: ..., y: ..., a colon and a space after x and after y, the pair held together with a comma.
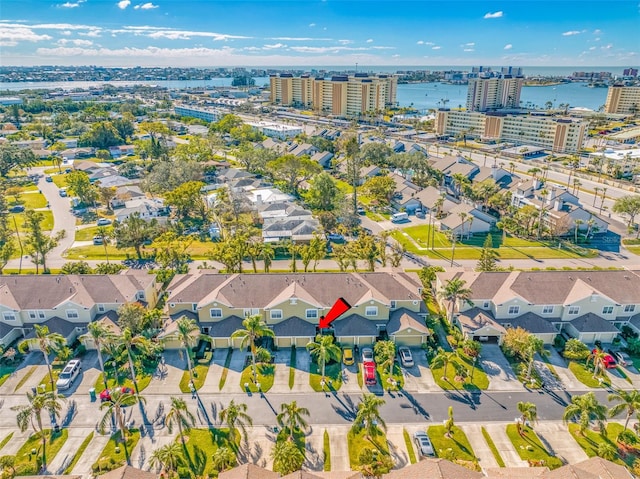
x: 56, y: 325
x: 294, y: 327
x: 533, y: 323
x: 226, y: 327
x: 592, y: 323
x: 355, y: 325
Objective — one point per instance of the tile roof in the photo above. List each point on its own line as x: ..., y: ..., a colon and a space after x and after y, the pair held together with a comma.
x: 248, y: 471
x: 433, y: 469
x: 603, y: 469
x: 128, y: 472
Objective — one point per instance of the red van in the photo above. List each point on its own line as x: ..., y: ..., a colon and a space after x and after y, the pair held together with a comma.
x: 369, y: 373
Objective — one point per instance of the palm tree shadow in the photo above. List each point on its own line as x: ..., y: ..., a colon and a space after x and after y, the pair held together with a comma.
x: 197, y: 461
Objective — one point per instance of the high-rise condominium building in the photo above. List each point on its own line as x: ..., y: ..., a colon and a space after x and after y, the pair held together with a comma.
x: 340, y: 95
x: 623, y: 100
x: 494, y: 90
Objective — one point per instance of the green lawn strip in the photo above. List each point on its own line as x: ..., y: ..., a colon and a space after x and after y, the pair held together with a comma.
x: 143, y: 382
x: 409, y: 445
x: 78, y: 454
x: 590, y: 441
x: 521, y: 368
x: 225, y: 369
x: 455, y: 448
x: 359, y: 376
x: 60, y: 180
x: 26, y: 376
x: 391, y: 382
x: 87, y: 234
x: 115, y: 453
x: 97, y: 252
x: 201, y: 444
x: 292, y: 368
x: 492, y: 446
x: 585, y: 376
x: 530, y: 448
x: 480, y: 378
x: 6, y: 440
x: 265, y: 376
x: 326, y: 449
x: 624, y: 374
x: 357, y: 443
x: 47, y: 222
x: 199, y: 375
x: 545, y: 358
x: 6, y: 371
x: 27, y: 463
x: 333, y: 376
x: 56, y: 369
x: 30, y: 201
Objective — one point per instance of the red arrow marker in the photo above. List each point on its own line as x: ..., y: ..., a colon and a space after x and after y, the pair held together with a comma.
x: 339, y: 307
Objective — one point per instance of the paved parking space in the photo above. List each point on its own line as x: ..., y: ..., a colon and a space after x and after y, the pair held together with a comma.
x: 212, y: 382
x: 64, y: 457
x: 350, y: 379
x: 419, y: 378
x: 560, y: 442
x: 498, y: 434
x: 501, y: 375
x: 481, y: 449
x: 397, y: 446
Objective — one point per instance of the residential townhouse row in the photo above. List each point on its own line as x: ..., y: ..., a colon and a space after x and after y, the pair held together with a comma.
x: 588, y: 305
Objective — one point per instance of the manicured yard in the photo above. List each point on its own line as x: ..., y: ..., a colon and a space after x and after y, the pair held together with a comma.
x: 529, y: 447
x: 585, y: 375
x: 333, y: 376
x: 225, y: 370
x: 6, y: 440
x: 358, y: 442
x: 56, y: 369
x: 87, y: 234
x: 455, y: 448
x: 492, y: 446
x: 97, y: 252
x: 391, y: 382
x: 409, y: 445
x: 115, y: 453
x: 521, y: 368
x: 60, y: 180
x: 480, y: 379
x: 326, y: 449
x: 199, y: 375
x: 27, y: 463
x: 143, y: 381
x: 47, y: 222
x: 266, y: 373
x: 31, y: 200
x: 201, y: 444
x: 633, y: 245
x: 590, y: 441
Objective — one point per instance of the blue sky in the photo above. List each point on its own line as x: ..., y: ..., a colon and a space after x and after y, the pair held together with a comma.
x: 319, y: 33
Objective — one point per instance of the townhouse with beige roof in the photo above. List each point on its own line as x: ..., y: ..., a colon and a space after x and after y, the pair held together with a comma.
x: 292, y: 304
x: 66, y: 304
x: 587, y: 305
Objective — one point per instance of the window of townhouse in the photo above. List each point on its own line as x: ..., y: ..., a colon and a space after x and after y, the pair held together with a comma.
x: 275, y: 314
x: 72, y: 314
x: 513, y: 310
x: 607, y: 310
x: 573, y: 310
x: 371, y: 311
x: 311, y: 313
x: 215, y: 313
x: 547, y: 310
x: 629, y: 308
x: 9, y: 316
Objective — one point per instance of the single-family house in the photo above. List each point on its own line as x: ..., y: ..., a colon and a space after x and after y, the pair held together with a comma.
x: 404, y: 194
x: 146, y: 208
x: 323, y: 158
x: 125, y: 193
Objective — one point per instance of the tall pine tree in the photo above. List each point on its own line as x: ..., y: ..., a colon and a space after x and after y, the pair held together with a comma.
x: 488, y: 256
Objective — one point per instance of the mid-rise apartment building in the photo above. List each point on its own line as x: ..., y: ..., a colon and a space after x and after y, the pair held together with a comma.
x: 623, y: 100
x: 206, y: 114
x: 562, y: 135
x: 340, y: 95
x: 489, y: 91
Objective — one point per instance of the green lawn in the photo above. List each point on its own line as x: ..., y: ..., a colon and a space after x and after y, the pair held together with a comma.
x: 143, y: 381
x: 87, y: 234
x: 225, y: 370
x: 521, y: 368
x: 455, y: 448
x: 585, y: 376
x: 97, y: 252
x: 60, y: 180
x: 492, y: 446
x: 56, y: 369
x: 480, y: 379
x: 266, y: 374
x: 78, y: 454
x: 590, y: 441
x: 199, y: 375
x: 333, y: 376
x: 24, y: 378
x: 6, y: 440
x: 633, y: 245
x: 27, y: 463
x: 31, y: 201
x: 326, y: 449
x: 115, y: 453
x: 201, y: 444
x: 409, y: 445
x: 530, y: 449
x: 357, y: 443
x: 392, y: 382
x: 47, y: 222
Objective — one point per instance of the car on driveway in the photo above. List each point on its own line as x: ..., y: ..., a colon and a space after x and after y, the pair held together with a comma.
x: 423, y: 443
x: 608, y: 360
x: 622, y: 358
x: 335, y: 237
x: 48, y: 179
x: 369, y: 368
x: 16, y: 209
x: 105, y: 395
x: 103, y: 222
x: 406, y: 358
x: 347, y: 356
x: 367, y: 355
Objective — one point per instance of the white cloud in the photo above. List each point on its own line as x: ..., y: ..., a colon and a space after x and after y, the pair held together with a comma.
x: 498, y: 14
x: 145, y: 6
x: 297, y: 39
x: 72, y: 4
x: 122, y: 4
x: 597, y: 39
x: 274, y: 46
x: 163, y: 33
x: 76, y: 42
x: 419, y: 42
x: 469, y: 50
x: 597, y: 31
x: 592, y: 48
x: 471, y: 44
x: 92, y: 33
x: 19, y: 33
x: 311, y: 25
x: 329, y: 49
x: 345, y: 42
x: 395, y: 56
x: 571, y: 33
x: 8, y: 43
x: 437, y: 47
x: 65, y: 32
x: 370, y: 40
x: 607, y: 47
x: 508, y: 46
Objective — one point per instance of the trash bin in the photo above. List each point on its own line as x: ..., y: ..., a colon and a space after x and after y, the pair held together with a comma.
x: 92, y: 394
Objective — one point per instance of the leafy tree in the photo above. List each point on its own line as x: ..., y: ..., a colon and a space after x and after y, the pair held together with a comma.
x: 353, y: 163
x: 292, y: 418
x: 254, y: 159
x: 14, y: 158
x: 575, y: 349
x: 246, y: 133
x: 37, y: 242
x: 124, y: 126
x: 627, y: 401
x: 134, y: 232
x: 105, y: 195
x: 226, y: 124
x: 76, y: 267
x: 179, y: 416
x: 198, y: 149
x: 127, y: 341
x: 31, y: 415
x: 323, y: 349
x: 115, y: 406
x: 7, y: 245
x: 454, y: 291
x: 598, y: 357
x: 254, y: 329
x: 373, y: 463
x: 169, y: 457
x: 521, y: 343
x: 380, y: 188
x: 449, y: 423
x: 322, y: 143
x: 368, y: 415
x: 385, y: 354
x: 171, y: 252
x: 223, y: 458
x: 99, y: 335
x: 366, y: 247
x: 628, y: 206
x: 324, y: 194
x: 488, y: 256
x: 79, y: 184
x: 188, y: 333
x: 167, y: 175
x: 106, y: 268
x: 287, y: 457
x: 188, y: 202
x: 236, y: 417
x: 376, y: 154
x: 428, y: 277
x: 101, y: 135
x: 293, y: 170
x: 133, y: 317
x: 585, y: 409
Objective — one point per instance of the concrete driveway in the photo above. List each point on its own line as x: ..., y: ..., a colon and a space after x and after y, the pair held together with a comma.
x: 501, y: 376
x: 418, y: 378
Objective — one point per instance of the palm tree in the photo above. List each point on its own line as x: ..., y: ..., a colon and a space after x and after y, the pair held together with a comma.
x: 180, y: 416
x: 223, y: 458
x: 598, y: 357
x: 453, y: 291
x: 442, y: 359
x: 128, y: 340
x: 323, y: 349
x: 100, y: 335
x: 254, y: 328
x: 48, y: 342
x: 168, y: 457
x: 236, y: 415
x: 291, y: 417
x: 267, y: 253
x: 31, y: 415
x: 386, y: 354
x: 585, y: 409
x: 188, y: 333
x: 449, y: 423
x: 607, y: 451
x: 368, y: 416
x: 528, y: 414
x: 628, y: 401
x: 287, y: 457
x: 114, y: 406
